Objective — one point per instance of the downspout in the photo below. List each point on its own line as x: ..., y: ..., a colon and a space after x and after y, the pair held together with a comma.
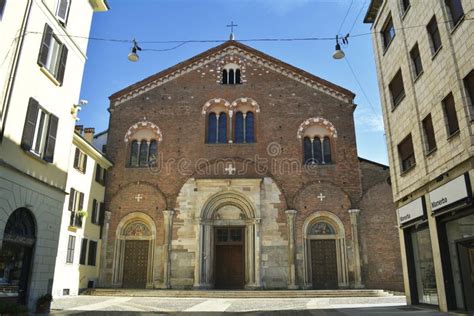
x: 13, y: 71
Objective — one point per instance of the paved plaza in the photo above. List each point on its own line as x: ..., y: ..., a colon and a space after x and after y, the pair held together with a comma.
x: 109, y: 305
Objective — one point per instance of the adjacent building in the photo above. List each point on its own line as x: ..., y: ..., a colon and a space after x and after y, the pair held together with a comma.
x: 424, y: 54
x: 42, y: 53
x: 80, y: 240
x: 236, y: 170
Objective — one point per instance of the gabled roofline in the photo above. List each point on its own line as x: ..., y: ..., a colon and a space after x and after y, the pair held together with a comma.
x: 372, y: 11
x: 373, y: 162
x: 349, y: 94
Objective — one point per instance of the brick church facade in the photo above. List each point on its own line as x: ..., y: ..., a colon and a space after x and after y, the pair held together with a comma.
x: 236, y: 170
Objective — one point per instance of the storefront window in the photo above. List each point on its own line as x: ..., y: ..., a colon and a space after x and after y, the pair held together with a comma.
x: 460, y: 233
x: 425, y: 274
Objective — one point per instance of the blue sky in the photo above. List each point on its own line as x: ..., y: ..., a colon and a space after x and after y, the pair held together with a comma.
x: 108, y: 70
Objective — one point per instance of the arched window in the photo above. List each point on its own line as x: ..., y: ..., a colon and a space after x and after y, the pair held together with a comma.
x: 322, y: 228
x: 212, y: 128
x: 249, y: 130
x: 143, y: 157
x: 239, y: 128
x: 222, y: 128
x: 134, y: 154
x: 152, y: 152
x: 224, y: 76
x: 237, y: 76
x: 231, y: 76
x: 326, y: 150
x: 317, y: 151
x: 308, y: 151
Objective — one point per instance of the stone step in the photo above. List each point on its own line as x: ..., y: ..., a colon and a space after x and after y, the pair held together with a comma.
x: 238, y: 293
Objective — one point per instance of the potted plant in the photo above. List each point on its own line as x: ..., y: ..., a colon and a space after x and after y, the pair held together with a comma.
x: 43, y: 303
x: 82, y: 213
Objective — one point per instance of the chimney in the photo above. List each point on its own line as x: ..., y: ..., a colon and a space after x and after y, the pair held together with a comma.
x: 89, y: 134
x: 78, y: 129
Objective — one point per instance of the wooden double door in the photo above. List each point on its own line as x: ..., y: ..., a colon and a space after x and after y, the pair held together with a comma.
x: 229, y: 266
x: 324, y: 264
x: 135, y: 264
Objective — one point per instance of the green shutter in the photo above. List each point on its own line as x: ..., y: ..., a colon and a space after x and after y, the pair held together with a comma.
x: 30, y: 124
x: 51, y: 139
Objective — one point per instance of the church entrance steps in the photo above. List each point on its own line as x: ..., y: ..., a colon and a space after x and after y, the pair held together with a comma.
x: 239, y: 293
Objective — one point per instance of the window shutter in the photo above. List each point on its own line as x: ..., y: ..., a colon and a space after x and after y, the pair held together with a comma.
x: 76, y: 158
x: 101, y: 217
x: 94, y: 211
x: 51, y: 140
x: 81, y: 201
x: 30, y: 124
x: 62, y: 64
x: 72, y: 194
x: 97, y: 173
x: 63, y: 9
x: 84, y: 164
x: 45, y: 42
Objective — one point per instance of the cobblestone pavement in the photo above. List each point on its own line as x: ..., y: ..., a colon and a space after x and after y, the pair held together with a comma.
x: 107, y: 305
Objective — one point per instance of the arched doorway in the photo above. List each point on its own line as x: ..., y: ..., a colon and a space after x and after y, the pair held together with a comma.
x: 16, y: 255
x: 324, y: 250
x: 228, y: 243
x: 134, y: 252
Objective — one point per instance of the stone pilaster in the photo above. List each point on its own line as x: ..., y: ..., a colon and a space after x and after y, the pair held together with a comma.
x: 290, y: 220
x: 168, y: 230
x: 103, y: 252
x: 354, y: 214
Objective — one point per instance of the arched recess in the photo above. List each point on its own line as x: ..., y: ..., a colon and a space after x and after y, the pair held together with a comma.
x: 337, y: 233
x: 134, y: 228
x: 214, y: 213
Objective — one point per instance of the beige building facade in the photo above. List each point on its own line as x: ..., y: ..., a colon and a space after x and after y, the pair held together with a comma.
x: 424, y: 53
x: 40, y: 79
x: 78, y: 259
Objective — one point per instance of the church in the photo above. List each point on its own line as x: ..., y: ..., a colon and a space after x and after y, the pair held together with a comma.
x: 235, y: 170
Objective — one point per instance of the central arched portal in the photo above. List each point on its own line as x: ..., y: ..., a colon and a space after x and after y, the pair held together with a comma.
x: 228, y: 249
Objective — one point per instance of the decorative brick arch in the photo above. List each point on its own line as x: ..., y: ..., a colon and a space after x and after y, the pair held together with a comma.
x: 143, y: 125
x: 246, y: 100
x: 316, y: 121
x: 211, y: 102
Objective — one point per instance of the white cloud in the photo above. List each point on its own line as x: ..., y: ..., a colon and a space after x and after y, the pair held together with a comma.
x: 368, y: 121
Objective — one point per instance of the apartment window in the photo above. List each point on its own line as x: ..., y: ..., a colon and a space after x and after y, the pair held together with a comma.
x: 450, y: 114
x: 405, y: 5
x: 2, y: 8
x: 406, y: 154
x: 429, y: 134
x: 388, y: 32
x: 469, y: 85
x: 91, y: 258
x: 95, y: 216
x: 53, y: 54
x: 39, y: 131
x: 82, y: 258
x: 455, y: 10
x: 396, y: 88
x: 76, y: 204
x: 435, y: 38
x: 70, y: 249
x: 99, y: 174
x: 416, y: 60
x: 80, y: 161
x: 62, y: 10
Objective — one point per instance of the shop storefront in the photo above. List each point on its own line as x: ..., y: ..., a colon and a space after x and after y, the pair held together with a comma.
x: 419, y: 254
x: 451, y: 204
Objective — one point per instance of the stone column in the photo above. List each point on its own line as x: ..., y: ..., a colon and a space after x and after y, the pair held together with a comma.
x: 168, y: 229
x: 258, y: 256
x: 354, y: 214
x: 103, y: 252
x: 231, y: 130
x: 290, y: 222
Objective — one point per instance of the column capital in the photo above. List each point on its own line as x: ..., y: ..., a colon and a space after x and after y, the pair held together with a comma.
x: 355, y: 211
x: 168, y: 213
x: 291, y: 212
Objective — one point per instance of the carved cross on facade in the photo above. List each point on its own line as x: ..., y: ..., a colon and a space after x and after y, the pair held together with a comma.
x: 139, y: 197
x: 230, y: 169
x: 321, y: 197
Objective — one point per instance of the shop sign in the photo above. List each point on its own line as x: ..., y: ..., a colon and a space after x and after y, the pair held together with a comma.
x: 410, y: 211
x: 448, y: 193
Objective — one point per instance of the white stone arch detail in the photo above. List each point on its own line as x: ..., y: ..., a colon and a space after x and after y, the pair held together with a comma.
x: 143, y: 124
x: 120, y: 240
x: 319, y: 121
x: 339, y: 237
x: 211, y: 102
x: 204, y: 265
x: 246, y: 100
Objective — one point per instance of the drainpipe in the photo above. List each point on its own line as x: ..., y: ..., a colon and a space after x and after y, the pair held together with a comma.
x: 12, y: 74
